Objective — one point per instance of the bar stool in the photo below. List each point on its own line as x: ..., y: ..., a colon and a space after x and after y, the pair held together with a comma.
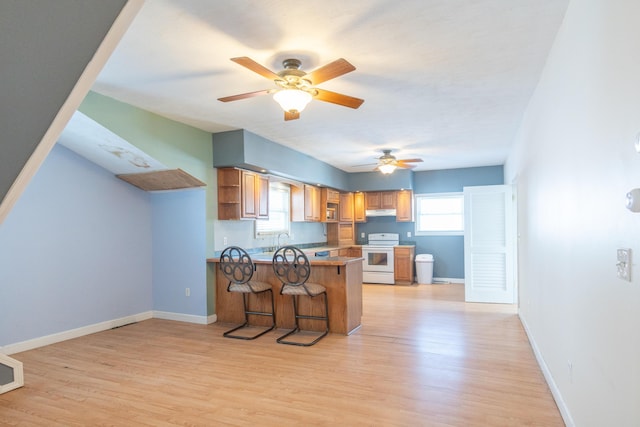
x: 292, y: 267
x: 237, y: 266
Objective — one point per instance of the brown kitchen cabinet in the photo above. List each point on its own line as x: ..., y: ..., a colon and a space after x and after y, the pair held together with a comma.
x: 403, y: 264
x: 305, y: 203
x: 355, y: 251
x: 242, y: 194
x: 329, y: 205
x: 358, y: 207
x: 343, y: 252
x: 380, y: 200
x: 340, y: 234
x: 346, y: 207
x: 404, y: 206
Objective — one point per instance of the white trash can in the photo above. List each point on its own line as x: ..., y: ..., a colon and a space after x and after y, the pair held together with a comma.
x: 424, y: 268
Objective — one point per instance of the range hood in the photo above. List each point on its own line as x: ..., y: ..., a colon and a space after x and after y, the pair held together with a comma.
x: 380, y: 212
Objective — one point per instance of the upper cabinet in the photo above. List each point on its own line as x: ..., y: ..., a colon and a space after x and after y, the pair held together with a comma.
x: 404, y: 206
x: 305, y: 203
x: 263, y: 196
x: 358, y: 207
x: 380, y: 200
x: 346, y: 207
x: 329, y: 205
x: 242, y: 194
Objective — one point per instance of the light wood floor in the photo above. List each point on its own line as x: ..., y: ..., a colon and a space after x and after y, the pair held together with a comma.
x: 423, y: 357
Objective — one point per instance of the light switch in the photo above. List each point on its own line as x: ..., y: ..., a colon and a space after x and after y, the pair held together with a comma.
x: 624, y: 264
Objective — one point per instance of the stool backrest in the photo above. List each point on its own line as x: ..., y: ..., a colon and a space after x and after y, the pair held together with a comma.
x: 236, y: 265
x: 291, y: 265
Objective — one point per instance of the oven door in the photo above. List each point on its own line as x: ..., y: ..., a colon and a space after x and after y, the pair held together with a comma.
x: 377, y: 259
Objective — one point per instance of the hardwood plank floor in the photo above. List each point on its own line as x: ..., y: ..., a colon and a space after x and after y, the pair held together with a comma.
x: 423, y: 357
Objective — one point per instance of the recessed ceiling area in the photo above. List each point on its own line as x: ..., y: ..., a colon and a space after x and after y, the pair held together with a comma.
x: 446, y: 81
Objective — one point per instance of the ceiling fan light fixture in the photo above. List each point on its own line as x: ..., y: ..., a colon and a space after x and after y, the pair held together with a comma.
x: 292, y: 100
x: 387, y: 168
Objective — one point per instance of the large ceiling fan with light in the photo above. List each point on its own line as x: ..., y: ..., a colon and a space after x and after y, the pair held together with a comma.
x: 387, y: 163
x: 295, y: 88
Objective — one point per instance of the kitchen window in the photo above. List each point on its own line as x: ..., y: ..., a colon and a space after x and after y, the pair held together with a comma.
x: 439, y: 214
x: 278, y: 222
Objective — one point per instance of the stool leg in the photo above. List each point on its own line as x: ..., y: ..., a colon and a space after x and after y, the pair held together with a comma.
x: 247, y: 312
x: 281, y: 340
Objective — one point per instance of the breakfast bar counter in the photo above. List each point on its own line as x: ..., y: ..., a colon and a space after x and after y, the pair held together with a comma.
x: 342, y: 276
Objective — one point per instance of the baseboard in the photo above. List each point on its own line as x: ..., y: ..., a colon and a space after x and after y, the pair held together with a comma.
x: 189, y: 318
x: 74, y: 333
x: 557, y: 396
x: 445, y: 280
x: 103, y: 326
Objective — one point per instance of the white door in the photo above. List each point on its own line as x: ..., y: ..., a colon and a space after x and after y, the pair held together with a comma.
x: 488, y: 244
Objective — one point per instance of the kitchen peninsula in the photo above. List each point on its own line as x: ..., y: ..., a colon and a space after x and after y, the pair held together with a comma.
x: 342, y: 276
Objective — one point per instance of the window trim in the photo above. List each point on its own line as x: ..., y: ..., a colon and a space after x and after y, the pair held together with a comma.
x: 275, y: 186
x: 417, y: 197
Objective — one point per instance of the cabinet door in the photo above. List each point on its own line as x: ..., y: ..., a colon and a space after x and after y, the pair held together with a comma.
x: 311, y: 203
x: 249, y: 195
x: 387, y: 200
x: 404, y: 209
x: 263, y: 197
x: 372, y: 200
x: 333, y: 196
x: 355, y: 252
x: 358, y: 207
x: 403, y: 265
x: 345, y: 233
x: 346, y: 207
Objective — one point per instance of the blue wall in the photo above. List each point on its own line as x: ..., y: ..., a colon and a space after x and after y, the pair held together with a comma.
x: 448, y: 251
x: 179, y: 259
x: 83, y: 247
x: 74, y: 251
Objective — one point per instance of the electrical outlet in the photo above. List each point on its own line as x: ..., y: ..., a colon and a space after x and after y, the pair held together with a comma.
x: 225, y: 241
x: 187, y: 292
x: 624, y: 264
x: 362, y: 235
x: 408, y: 234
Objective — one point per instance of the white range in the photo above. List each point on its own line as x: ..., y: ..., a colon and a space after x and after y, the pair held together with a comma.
x: 377, y: 266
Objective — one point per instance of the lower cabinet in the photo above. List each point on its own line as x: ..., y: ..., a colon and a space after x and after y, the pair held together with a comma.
x: 355, y: 251
x: 403, y: 264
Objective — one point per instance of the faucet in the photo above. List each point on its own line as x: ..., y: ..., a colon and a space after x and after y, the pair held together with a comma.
x: 279, y: 235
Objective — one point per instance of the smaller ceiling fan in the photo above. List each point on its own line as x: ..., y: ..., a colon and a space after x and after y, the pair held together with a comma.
x: 295, y: 88
x: 387, y: 163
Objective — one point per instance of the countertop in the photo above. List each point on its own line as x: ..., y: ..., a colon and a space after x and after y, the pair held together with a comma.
x: 267, y: 258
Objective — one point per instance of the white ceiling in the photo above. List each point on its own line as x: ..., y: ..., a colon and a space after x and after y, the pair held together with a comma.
x: 443, y: 80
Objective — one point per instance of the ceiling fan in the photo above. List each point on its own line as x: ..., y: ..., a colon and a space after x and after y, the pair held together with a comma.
x: 387, y: 163
x: 295, y: 88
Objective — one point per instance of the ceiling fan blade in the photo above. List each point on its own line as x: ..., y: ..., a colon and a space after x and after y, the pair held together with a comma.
x: 291, y: 116
x: 330, y: 71
x: 405, y: 165
x: 411, y: 160
x: 365, y: 165
x: 338, y: 98
x: 246, y: 95
x: 256, y: 68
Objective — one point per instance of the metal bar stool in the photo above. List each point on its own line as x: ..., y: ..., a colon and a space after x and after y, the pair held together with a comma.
x: 292, y: 267
x: 237, y: 266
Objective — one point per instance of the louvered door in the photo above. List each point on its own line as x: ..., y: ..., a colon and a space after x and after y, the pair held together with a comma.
x: 488, y: 244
